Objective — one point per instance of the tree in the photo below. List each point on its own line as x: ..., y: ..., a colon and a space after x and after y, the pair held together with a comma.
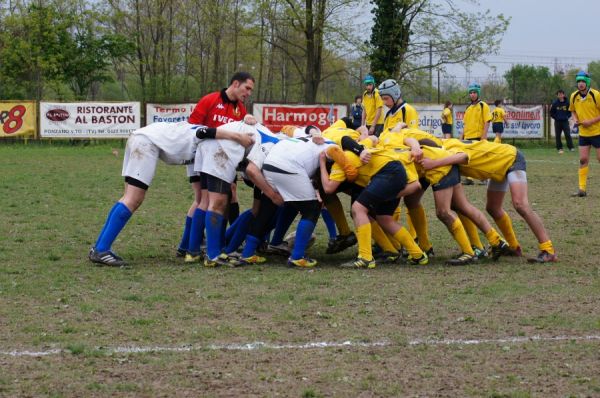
x: 413, y: 35
x: 531, y: 84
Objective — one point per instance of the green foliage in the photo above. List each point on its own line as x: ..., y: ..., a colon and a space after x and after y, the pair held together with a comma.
x: 532, y: 84
x: 408, y: 32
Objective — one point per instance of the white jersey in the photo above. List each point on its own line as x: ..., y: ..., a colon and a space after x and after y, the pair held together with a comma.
x: 220, y: 158
x: 176, y: 142
x: 297, y: 156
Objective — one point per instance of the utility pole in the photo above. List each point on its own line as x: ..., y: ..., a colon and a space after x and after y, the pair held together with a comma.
x: 430, y: 70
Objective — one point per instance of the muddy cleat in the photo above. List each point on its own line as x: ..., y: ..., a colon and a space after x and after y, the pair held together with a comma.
x: 341, y: 243
x: 106, y: 258
x: 360, y: 263
x: 180, y: 252
x: 430, y: 252
x: 193, y: 258
x: 501, y: 249
x: 479, y: 253
x: 304, y: 262
x: 516, y: 252
x: 579, y: 194
x: 388, y: 257
x: 462, y: 259
x: 253, y: 259
x: 281, y: 249
x: 222, y: 259
x: 423, y: 260
x: 543, y: 257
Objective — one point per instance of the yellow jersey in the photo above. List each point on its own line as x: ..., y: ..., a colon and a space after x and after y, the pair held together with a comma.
x: 447, y: 116
x: 404, y: 113
x: 379, y: 158
x: 433, y: 176
x: 421, y: 135
x: 338, y: 130
x: 587, y: 107
x: 498, y: 115
x: 372, y: 102
x: 476, y: 115
x: 486, y: 159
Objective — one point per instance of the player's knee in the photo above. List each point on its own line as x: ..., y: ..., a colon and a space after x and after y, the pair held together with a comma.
x: 444, y: 216
x: 584, y: 161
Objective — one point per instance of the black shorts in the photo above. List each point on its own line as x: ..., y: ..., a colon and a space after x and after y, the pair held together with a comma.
x: 214, y: 184
x: 498, y: 127
x: 451, y: 179
x: 446, y: 128
x: 587, y: 141
x: 384, y: 186
x: 519, y: 164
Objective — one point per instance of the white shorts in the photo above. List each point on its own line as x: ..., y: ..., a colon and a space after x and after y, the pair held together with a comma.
x: 141, y: 158
x: 517, y: 176
x: 292, y: 187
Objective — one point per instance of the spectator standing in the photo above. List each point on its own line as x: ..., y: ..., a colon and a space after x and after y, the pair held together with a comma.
x: 372, y: 116
x: 498, y: 121
x: 447, y: 120
x: 559, y: 111
x: 357, y: 110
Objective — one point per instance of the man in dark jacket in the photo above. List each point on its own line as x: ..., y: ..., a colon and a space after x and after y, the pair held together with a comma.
x: 559, y: 111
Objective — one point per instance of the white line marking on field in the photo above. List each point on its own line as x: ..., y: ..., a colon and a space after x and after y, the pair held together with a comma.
x: 302, y: 346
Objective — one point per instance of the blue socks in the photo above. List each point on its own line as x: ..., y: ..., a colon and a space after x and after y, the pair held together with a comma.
x: 214, y: 227
x: 284, y: 220
x: 329, y: 223
x: 252, y: 243
x: 238, y: 231
x: 116, y: 220
x: 185, y: 238
x: 196, y: 232
x: 303, y: 234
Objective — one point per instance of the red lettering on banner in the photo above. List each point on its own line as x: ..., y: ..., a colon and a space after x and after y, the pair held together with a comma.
x: 275, y: 117
x: 12, y: 120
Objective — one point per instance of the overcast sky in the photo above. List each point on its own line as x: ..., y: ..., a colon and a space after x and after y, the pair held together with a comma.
x: 552, y: 33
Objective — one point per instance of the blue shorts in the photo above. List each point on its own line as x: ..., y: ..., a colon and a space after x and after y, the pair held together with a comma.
x: 446, y: 128
x: 451, y: 179
x: 498, y: 127
x: 384, y: 187
x: 587, y: 141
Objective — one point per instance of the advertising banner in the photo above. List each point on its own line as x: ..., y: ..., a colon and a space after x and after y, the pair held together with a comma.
x: 275, y: 116
x: 430, y: 118
x: 17, y: 118
x: 168, y: 112
x: 89, y: 119
x: 526, y: 122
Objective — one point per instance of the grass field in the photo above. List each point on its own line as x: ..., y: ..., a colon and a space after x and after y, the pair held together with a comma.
x: 412, y: 331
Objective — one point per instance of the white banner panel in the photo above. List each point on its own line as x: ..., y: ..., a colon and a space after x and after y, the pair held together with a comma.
x: 89, y: 119
x: 520, y: 122
x: 168, y: 112
x: 430, y: 118
x: 275, y: 116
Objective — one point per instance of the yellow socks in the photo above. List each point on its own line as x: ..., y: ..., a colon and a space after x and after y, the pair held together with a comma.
x: 419, y: 220
x: 505, y: 225
x: 363, y: 236
x: 336, y: 210
x: 498, y: 140
x: 471, y: 230
x: 547, y: 247
x: 408, y: 243
x: 460, y: 235
x: 381, y: 238
x: 583, y: 175
x: 493, y: 237
x: 410, y: 226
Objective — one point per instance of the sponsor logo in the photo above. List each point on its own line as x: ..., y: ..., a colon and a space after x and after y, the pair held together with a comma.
x: 220, y: 106
x: 57, y: 115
